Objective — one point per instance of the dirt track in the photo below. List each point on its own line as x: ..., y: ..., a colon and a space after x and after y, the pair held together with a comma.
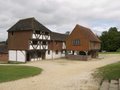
x: 62, y: 75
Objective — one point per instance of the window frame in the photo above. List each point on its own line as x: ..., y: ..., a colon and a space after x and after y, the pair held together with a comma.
x: 76, y: 42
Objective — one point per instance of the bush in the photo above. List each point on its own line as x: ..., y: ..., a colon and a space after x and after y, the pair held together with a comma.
x: 118, y: 50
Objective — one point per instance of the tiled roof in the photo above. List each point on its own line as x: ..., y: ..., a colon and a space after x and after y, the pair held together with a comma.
x: 58, y: 36
x: 28, y: 24
x: 88, y: 33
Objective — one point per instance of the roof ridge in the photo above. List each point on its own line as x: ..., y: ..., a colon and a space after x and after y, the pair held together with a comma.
x: 28, y: 24
x: 82, y: 26
x: 27, y: 18
x: 58, y: 33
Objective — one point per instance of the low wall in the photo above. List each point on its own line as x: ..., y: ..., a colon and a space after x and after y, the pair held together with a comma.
x: 3, y: 57
x: 78, y: 57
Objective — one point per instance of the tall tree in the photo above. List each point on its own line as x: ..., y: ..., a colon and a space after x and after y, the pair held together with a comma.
x: 110, y: 39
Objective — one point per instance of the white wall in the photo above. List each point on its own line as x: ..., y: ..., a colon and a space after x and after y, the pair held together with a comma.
x: 53, y: 55
x: 38, y: 47
x: 18, y: 55
x: 35, y: 59
x: 63, y: 46
x: 21, y: 56
x: 12, y: 55
x: 63, y: 54
x: 49, y: 56
x: 40, y: 36
x: 57, y: 55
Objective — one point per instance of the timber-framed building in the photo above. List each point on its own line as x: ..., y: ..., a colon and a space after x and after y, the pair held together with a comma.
x: 29, y: 40
x: 82, y: 44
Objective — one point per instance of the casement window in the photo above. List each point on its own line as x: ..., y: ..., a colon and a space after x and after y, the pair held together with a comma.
x: 76, y: 42
x: 34, y: 42
x: 56, y: 51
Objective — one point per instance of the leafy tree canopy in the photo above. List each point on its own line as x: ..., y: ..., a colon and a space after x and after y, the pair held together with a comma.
x: 110, y: 39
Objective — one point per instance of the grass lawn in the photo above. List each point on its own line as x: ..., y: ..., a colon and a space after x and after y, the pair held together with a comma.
x: 14, y: 72
x: 109, y: 72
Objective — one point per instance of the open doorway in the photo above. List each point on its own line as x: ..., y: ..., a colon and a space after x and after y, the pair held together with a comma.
x: 27, y: 56
x: 43, y: 55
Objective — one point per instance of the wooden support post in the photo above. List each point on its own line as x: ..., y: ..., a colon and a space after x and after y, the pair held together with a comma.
x: 73, y: 52
x: 86, y: 52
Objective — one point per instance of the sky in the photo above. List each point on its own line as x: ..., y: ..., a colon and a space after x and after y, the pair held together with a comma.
x: 61, y: 15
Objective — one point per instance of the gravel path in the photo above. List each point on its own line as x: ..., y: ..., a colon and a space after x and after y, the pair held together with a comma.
x: 62, y: 75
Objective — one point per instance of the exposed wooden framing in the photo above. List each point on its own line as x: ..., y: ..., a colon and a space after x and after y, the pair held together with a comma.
x: 40, y: 40
x: 33, y: 45
x: 16, y: 55
x: 47, y: 36
x: 37, y: 35
x: 42, y: 43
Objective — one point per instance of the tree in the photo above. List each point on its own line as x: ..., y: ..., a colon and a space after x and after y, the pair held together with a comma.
x: 110, y: 39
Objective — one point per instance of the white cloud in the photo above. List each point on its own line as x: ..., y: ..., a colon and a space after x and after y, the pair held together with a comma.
x: 61, y: 15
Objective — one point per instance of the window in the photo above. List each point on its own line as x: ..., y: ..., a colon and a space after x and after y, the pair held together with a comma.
x: 44, y: 43
x: 48, y: 51
x: 76, y: 42
x: 35, y: 42
x: 56, y: 51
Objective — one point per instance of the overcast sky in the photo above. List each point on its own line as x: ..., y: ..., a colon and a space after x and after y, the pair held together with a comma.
x: 61, y: 15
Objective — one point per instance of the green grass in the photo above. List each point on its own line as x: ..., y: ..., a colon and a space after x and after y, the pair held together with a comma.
x: 109, y: 52
x: 11, y: 62
x: 14, y: 72
x: 109, y: 72
x: 15, y: 62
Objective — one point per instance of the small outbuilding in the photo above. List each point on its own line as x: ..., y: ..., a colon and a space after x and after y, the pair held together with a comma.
x: 82, y: 44
x: 3, y: 52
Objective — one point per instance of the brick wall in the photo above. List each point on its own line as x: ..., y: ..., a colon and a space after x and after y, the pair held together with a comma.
x: 3, y: 57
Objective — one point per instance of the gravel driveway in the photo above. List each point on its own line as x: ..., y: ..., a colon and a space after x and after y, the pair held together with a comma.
x: 62, y: 75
